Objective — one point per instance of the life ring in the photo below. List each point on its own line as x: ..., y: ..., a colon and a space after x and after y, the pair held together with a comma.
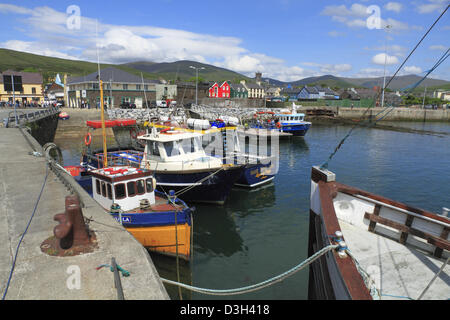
x: 88, y: 139
x: 278, y: 125
x: 133, y: 133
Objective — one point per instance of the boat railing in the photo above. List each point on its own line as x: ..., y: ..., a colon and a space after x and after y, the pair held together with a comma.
x: 121, y: 158
x: 434, y: 229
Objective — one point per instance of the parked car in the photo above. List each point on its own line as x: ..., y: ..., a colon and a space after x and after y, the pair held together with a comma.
x: 127, y: 105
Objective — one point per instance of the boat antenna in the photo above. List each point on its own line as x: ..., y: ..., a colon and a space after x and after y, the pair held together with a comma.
x: 102, y: 113
x: 325, y: 164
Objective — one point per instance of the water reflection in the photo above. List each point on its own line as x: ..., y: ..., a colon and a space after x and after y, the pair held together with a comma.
x: 215, y: 231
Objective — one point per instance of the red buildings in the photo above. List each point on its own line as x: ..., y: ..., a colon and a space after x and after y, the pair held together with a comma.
x: 220, y: 91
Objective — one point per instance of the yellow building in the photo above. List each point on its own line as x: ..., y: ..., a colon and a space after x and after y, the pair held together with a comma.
x: 27, y: 86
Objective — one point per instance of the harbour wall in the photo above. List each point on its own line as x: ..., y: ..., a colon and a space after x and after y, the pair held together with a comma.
x: 396, y: 114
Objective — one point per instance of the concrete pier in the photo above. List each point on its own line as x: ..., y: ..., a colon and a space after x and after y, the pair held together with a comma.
x: 38, y: 276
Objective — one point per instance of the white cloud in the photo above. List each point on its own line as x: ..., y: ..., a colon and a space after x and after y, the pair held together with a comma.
x: 439, y: 47
x: 357, y: 14
x: 383, y: 58
x: 432, y: 6
x: 369, y: 73
x: 334, y: 33
x: 393, y: 6
x: 35, y: 48
x: 411, y: 70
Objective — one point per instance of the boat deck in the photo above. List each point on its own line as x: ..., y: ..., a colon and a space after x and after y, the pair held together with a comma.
x: 160, y: 205
x: 399, y: 271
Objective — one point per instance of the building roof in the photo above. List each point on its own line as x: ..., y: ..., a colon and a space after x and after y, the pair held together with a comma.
x: 311, y: 90
x: 113, y: 74
x: 54, y: 87
x: 235, y: 86
x: 253, y: 86
x: 27, y: 77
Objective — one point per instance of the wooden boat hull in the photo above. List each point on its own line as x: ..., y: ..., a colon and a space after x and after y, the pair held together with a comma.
x: 381, y: 234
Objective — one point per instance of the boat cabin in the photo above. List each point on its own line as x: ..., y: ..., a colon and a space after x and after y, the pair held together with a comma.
x: 169, y: 149
x: 291, y: 117
x: 123, y: 185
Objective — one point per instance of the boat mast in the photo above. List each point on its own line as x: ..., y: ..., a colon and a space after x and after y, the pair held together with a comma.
x: 105, y: 150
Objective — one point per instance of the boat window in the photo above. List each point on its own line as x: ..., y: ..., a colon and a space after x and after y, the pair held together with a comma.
x: 97, y: 186
x: 140, y: 186
x: 119, y: 190
x: 108, y: 187
x: 188, y: 145
x: 153, y: 148
x: 171, y: 148
x: 104, y: 189
x: 131, y: 187
x: 149, y: 185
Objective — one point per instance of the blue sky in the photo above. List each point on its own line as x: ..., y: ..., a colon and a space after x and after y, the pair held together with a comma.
x: 284, y: 39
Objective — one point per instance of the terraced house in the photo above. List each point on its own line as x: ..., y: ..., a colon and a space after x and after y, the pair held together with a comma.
x: 228, y: 90
x: 255, y: 90
x: 119, y: 87
x: 25, y: 87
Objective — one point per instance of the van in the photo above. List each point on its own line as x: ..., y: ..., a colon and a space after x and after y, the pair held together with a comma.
x: 161, y: 103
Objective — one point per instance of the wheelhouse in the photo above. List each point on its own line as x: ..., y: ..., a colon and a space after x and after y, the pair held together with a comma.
x: 291, y: 117
x: 123, y: 185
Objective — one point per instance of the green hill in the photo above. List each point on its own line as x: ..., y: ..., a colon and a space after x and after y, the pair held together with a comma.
x: 50, y: 66
x: 180, y: 70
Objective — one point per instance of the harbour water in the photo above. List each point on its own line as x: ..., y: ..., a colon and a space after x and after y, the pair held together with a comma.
x: 261, y: 233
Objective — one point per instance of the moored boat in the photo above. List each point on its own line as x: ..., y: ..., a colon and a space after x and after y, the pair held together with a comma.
x: 388, y: 250
x: 180, y: 163
x: 63, y: 116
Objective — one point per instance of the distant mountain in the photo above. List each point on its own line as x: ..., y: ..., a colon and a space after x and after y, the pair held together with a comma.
x: 49, y: 66
x: 181, y: 70
x: 398, y: 83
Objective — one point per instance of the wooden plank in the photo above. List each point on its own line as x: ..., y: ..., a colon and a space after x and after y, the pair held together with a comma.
x: 441, y: 243
x: 354, y: 191
x: 376, y: 211
x: 438, y: 251
x: 404, y: 235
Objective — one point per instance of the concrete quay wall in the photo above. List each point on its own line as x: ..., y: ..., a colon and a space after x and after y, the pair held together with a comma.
x: 39, y: 276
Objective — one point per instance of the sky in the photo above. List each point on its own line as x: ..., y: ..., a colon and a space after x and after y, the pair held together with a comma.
x: 286, y: 40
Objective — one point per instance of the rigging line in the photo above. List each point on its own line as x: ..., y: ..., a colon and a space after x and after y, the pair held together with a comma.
x: 441, y: 59
x: 325, y: 164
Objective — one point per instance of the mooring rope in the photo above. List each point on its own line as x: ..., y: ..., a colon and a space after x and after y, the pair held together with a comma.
x: 257, y: 286
x: 24, y: 233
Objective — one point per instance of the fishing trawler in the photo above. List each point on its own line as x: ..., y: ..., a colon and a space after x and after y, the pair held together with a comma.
x: 159, y: 221
x: 289, y: 122
x: 179, y: 162
x: 387, y: 249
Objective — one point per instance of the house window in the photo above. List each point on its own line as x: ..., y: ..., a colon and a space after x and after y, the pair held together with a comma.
x: 138, y: 87
x: 125, y: 87
x: 119, y: 190
x: 33, y: 90
x: 146, y: 87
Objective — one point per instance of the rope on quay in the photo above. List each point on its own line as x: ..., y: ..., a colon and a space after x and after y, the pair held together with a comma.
x: 257, y: 286
x: 24, y: 233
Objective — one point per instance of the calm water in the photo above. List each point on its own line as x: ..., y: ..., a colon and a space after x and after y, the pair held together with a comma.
x: 261, y: 233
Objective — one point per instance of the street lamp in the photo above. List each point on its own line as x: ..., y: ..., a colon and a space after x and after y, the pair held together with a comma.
x: 385, y: 60
x: 196, y: 82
